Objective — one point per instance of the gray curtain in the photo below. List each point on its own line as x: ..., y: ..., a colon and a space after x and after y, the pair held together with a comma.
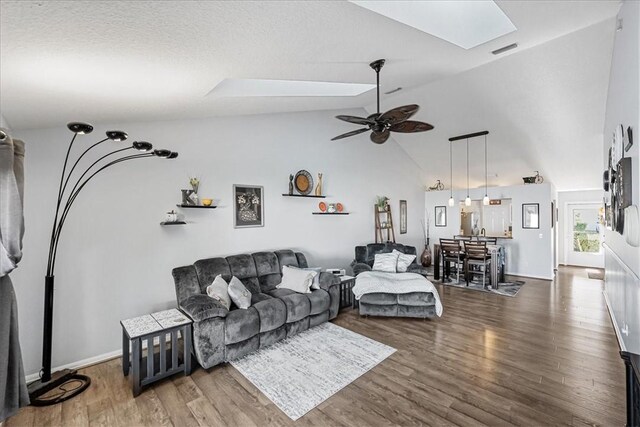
x: 13, y: 390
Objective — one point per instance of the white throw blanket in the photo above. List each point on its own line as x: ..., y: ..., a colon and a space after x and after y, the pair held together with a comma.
x: 372, y: 282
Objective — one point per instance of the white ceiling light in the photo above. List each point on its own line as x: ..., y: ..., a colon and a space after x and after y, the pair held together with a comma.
x: 258, y: 87
x: 463, y: 23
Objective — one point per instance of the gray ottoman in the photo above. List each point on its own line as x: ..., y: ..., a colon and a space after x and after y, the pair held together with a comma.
x: 415, y: 304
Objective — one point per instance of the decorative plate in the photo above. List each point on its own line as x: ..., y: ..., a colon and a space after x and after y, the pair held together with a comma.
x: 303, y: 182
x: 322, y: 206
x: 339, y: 207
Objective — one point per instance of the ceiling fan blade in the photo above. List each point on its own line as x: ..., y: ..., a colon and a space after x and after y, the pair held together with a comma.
x: 410, y: 126
x: 356, y: 120
x: 399, y: 114
x: 380, y: 137
x: 348, y: 134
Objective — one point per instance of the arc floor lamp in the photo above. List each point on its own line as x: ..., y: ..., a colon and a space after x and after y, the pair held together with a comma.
x: 57, y: 387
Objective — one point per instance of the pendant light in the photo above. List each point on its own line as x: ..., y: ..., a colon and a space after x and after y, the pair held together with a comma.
x: 451, y: 201
x: 467, y: 201
x: 485, y: 200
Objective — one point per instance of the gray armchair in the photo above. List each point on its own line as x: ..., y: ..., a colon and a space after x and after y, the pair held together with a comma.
x: 365, y: 256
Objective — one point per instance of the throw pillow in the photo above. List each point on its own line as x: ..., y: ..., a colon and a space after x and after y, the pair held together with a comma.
x: 218, y: 291
x: 316, y: 278
x: 385, y: 262
x: 404, y: 261
x: 296, y: 279
x: 239, y: 294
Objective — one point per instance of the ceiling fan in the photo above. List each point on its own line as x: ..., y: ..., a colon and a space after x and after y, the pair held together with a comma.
x: 381, y: 125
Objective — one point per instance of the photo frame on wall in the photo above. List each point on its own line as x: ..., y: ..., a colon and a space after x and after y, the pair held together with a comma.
x: 403, y: 217
x: 441, y: 216
x: 531, y: 215
x: 248, y: 206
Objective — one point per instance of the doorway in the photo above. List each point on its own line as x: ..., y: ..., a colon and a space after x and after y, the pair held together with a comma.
x: 583, y: 243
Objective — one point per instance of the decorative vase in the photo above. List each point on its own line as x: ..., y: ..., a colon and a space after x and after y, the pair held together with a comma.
x: 425, y: 258
x: 291, y: 185
x: 319, y: 186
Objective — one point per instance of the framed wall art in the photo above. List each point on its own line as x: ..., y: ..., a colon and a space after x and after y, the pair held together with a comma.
x: 403, y: 217
x: 248, y: 206
x: 441, y: 216
x: 530, y: 215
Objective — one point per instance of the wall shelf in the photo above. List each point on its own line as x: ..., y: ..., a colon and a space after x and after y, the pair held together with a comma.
x: 302, y: 195
x: 173, y: 223
x: 330, y: 213
x: 196, y: 207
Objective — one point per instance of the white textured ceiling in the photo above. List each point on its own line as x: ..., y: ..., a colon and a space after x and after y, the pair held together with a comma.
x: 116, y: 61
x: 544, y: 108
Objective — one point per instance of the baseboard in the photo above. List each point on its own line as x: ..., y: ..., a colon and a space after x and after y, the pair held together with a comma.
x: 529, y: 276
x: 80, y: 363
x: 612, y: 316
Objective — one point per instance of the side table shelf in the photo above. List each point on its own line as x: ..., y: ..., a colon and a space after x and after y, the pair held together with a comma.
x: 347, y: 299
x: 156, y: 365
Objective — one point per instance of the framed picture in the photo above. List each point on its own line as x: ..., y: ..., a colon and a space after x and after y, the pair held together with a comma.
x: 403, y: 217
x: 441, y: 216
x: 530, y: 215
x: 248, y: 206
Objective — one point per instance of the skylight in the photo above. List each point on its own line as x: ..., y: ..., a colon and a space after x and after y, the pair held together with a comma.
x: 464, y: 23
x: 258, y: 87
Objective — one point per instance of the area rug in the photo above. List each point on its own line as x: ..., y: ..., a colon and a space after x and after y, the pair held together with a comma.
x: 508, y: 289
x: 595, y: 274
x: 299, y: 373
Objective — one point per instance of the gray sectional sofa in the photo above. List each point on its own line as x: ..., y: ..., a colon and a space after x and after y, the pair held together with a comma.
x: 415, y: 304
x: 220, y: 335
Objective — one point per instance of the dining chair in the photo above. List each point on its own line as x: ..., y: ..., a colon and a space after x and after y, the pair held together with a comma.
x: 461, y: 237
x: 477, y: 261
x: 451, y: 251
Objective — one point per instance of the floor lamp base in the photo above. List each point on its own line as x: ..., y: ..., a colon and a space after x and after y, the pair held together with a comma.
x: 63, y: 385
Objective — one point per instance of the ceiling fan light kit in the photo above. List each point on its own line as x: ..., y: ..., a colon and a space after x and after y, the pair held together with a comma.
x: 381, y: 125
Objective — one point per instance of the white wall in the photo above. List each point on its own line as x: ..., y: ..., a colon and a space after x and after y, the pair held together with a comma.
x: 568, y: 197
x: 3, y: 122
x: 529, y: 253
x: 115, y: 259
x: 622, y: 261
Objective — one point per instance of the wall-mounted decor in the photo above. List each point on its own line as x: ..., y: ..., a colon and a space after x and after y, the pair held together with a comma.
x: 189, y: 198
x: 403, y: 217
x: 248, y: 204
x: 291, y: 185
x: 553, y: 214
x: 441, y: 216
x: 303, y: 182
x: 536, y: 179
x: 530, y: 215
x: 319, y: 185
x: 629, y: 139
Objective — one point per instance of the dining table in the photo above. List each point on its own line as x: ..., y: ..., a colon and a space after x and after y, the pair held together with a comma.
x: 498, y: 263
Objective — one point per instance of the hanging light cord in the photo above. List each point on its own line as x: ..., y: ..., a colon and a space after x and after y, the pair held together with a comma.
x: 467, y: 167
x: 451, y: 169
x: 486, y: 174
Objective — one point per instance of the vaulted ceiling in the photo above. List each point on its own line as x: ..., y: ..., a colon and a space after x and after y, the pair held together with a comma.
x: 117, y: 61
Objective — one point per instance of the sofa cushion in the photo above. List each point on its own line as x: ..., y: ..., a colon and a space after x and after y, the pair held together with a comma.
x: 298, y: 305
x: 244, y: 268
x: 241, y: 325
x: 272, y: 313
x: 279, y: 293
x: 268, y: 269
x: 416, y: 299
x: 208, y: 269
x: 379, y: 299
x: 319, y: 300
x: 287, y: 257
x: 256, y: 298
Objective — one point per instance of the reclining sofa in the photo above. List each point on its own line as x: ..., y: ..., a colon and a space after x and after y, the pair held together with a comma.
x: 221, y: 335
x: 415, y: 304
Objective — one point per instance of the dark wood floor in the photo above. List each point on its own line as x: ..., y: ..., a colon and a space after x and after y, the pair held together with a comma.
x: 546, y: 357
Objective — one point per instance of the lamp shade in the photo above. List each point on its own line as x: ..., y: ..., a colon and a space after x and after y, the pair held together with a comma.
x: 116, y: 135
x: 142, y: 146
x: 485, y: 200
x: 467, y: 201
x: 162, y: 153
x: 80, y: 128
x: 451, y: 202
x: 173, y: 155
